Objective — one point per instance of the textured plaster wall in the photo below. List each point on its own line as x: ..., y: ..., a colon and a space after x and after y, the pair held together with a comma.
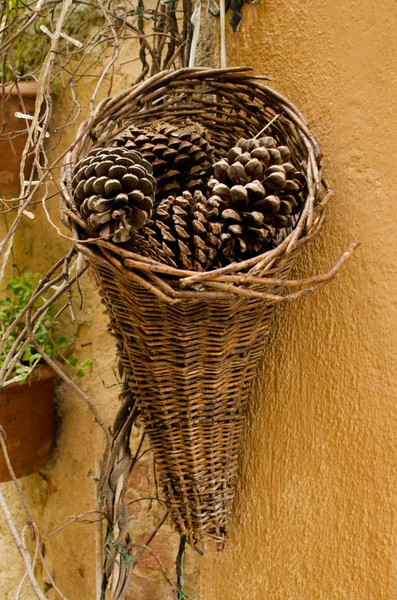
x: 315, y: 516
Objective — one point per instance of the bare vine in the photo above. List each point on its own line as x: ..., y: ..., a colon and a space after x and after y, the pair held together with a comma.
x: 77, y: 44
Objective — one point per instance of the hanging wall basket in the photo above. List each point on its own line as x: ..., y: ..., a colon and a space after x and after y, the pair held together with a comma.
x: 191, y: 341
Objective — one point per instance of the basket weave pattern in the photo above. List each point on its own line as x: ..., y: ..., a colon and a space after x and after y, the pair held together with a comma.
x: 192, y: 368
x: 190, y: 342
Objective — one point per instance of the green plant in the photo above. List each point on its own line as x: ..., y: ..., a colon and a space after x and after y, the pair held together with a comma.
x: 25, y: 53
x: 19, y: 293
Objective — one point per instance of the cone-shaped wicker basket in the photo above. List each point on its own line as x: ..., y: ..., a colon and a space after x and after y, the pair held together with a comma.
x: 191, y: 341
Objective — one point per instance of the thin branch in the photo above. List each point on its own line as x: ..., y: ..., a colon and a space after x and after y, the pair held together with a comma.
x: 21, y: 548
x: 162, y: 46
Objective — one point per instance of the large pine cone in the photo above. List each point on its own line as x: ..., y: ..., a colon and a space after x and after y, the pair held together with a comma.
x: 260, y: 190
x: 181, y: 157
x: 183, y: 232
x: 113, y: 188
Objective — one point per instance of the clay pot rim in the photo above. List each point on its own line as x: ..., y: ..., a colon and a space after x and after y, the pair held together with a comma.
x: 40, y: 373
x: 16, y: 88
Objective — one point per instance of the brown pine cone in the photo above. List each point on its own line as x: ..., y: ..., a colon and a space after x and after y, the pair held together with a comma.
x: 261, y: 190
x: 113, y: 189
x: 181, y: 157
x: 184, y: 232
x: 244, y: 234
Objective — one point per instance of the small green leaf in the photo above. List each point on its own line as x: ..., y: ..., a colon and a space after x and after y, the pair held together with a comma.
x: 62, y: 342
x: 73, y: 361
x: 87, y: 363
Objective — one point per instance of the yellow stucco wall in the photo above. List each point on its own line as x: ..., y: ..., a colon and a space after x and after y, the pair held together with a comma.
x: 315, y: 516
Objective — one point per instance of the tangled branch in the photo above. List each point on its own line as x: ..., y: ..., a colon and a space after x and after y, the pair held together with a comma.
x: 65, y: 47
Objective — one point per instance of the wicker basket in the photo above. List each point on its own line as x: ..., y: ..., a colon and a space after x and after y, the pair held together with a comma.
x: 190, y: 341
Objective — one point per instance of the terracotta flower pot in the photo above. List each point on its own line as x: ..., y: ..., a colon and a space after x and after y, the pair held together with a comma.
x: 27, y: 417
x: 13, y: 133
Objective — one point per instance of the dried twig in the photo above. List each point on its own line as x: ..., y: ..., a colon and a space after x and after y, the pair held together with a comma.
x: 70, y: 62
x: 21, y: 548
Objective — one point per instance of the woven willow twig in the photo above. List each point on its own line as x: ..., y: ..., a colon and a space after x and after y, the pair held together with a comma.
x: 190, y: 341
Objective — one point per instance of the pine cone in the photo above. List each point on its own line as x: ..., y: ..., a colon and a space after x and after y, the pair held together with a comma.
x: 113, y: 188
x: 181, y: 157
x: 244, y: 233
x: 183, y: 232
x: 259, y: 190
